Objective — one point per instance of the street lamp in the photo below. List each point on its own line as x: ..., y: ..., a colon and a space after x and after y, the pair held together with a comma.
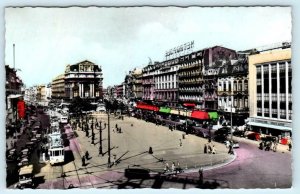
x: 108, y: 137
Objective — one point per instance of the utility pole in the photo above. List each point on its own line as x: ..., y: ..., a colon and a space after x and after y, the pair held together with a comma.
x: 100, y: 137
x: 14, y: 55
x: 231, y: 118
x: 108, y: 137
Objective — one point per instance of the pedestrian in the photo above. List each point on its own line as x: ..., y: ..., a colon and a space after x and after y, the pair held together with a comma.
x: 213, y: 150
x: 230, y: 150
x: 11, y: 143
x: 200, y: 176
x: 114, y: 159
x: 275, y: 147
x: 15, y: 144
x: 290, y: 145
x: 87, y: 155
x: 116, y: 126
x: 150, y: 150
x: 205, y: 148
x: 120, y: 130
x: 178, y: 168
x: 167, y: 167
x: 180, y: 142
x: 83, y: 160
x: 173, y: 167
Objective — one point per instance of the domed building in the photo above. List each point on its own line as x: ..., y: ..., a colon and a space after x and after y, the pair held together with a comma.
x: 83, y: 79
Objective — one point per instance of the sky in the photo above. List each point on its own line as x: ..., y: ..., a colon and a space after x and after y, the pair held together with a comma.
x: 121, y: 39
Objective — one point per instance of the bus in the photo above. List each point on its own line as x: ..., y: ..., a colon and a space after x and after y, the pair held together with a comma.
x: 56, y: 148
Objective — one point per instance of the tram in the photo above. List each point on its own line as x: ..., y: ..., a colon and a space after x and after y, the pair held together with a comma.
x: 56, y: 148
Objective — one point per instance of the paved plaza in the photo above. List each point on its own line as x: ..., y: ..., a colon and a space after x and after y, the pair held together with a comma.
x: 129, y: 149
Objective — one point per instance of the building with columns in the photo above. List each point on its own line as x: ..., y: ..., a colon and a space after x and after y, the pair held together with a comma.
x: 84, y: 80
x: 270, y: 91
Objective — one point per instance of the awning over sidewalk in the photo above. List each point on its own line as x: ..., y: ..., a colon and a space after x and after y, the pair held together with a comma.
x: 164, y: 110
x: 174, y: 112
x: 14, y: 96
x: 283, y: 128
x: 189, y: 104
x: 197, y: 114
x: 147, y: 107
x: 213, y: 115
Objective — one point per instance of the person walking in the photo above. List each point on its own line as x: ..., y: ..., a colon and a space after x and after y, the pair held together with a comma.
x: 173, y: 167
x: 180, y: 142
x: 87, y: 155
x: 213, y: 150
x: 167, y: 167
x: 290, y: 145
x: 83, y: 160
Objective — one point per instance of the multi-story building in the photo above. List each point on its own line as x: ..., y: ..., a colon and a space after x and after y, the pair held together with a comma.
x: 13, y: 92
x: 214, y: 58
x: 133, y: 88
x: 58, y: 87
x: 270, y: 91
x: 119, y: 91
x: 83, y: 79
x: 48, y: 92
x: 233, y: 90
x: 30, y: 95
x: 148, y: 81
x: 190, y: 80
x: 166, y: 85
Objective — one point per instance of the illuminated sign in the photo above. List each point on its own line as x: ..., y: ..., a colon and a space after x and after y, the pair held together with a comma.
x: 180, y: 50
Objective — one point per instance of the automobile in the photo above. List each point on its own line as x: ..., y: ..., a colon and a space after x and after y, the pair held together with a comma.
x: 239, y: 133
x: 24, y: 153
x: 30, y: 145
x: 11, y: 155
x: 235, y: 144
x: 253, y: 136
x: 100, y: 109
x: 23, y: 162
x: 38, y: 136
x: 26, y: 177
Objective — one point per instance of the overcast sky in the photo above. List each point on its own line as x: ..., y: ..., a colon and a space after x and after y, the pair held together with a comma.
x: 120, y: 39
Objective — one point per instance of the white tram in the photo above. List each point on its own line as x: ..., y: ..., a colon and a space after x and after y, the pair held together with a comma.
x: 56, y: 148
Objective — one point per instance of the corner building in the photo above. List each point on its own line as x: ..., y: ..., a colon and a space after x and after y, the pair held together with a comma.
x: 270, y: 92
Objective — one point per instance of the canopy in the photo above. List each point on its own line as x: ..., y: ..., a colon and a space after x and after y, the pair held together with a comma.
x: 189, y: 104
x: 283, y: 128
x: 200, y: 115
x: 174, y: 112
x: 14, y: 96
x: 147, y: 107
x: 185, y: 113
x: 213, y: 115
x: 164, y: 110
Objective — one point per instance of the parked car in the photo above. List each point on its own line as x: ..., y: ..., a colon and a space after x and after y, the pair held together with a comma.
x: 23, y: 162
x: 11, y: 155
x: 235, y: 144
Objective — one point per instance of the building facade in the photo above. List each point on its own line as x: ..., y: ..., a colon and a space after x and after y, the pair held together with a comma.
x: 133, y: 88
x: 84, y: 80
x: 270, y: 92
x: 58, y: 87
x: 148, y: 82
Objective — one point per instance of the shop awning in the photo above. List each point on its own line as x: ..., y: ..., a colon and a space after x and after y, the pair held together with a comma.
x: 213, y: 115
x: 189, y: 104
x: 174, y: 112
x: 283, y: 128
x: 200, y: 115
x: 185, y: 113
x: 164, y: 110
x: 14, y: 96
x: 147, y: 107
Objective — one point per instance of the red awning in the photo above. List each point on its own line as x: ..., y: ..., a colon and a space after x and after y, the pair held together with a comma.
x: 189, y: 104
x: 147, y: 107
x: 200, y: 115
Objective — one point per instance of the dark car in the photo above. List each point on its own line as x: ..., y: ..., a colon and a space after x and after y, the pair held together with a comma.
x: 239, y: 133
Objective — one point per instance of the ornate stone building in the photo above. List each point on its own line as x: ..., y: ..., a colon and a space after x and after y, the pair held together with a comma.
x: 83, y: 79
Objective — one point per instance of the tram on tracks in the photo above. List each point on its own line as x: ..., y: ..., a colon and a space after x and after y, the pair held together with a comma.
x: 56, y: 148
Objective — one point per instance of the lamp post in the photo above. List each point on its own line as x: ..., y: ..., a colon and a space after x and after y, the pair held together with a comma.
x: 100, y: 137
x: 108, y: 137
